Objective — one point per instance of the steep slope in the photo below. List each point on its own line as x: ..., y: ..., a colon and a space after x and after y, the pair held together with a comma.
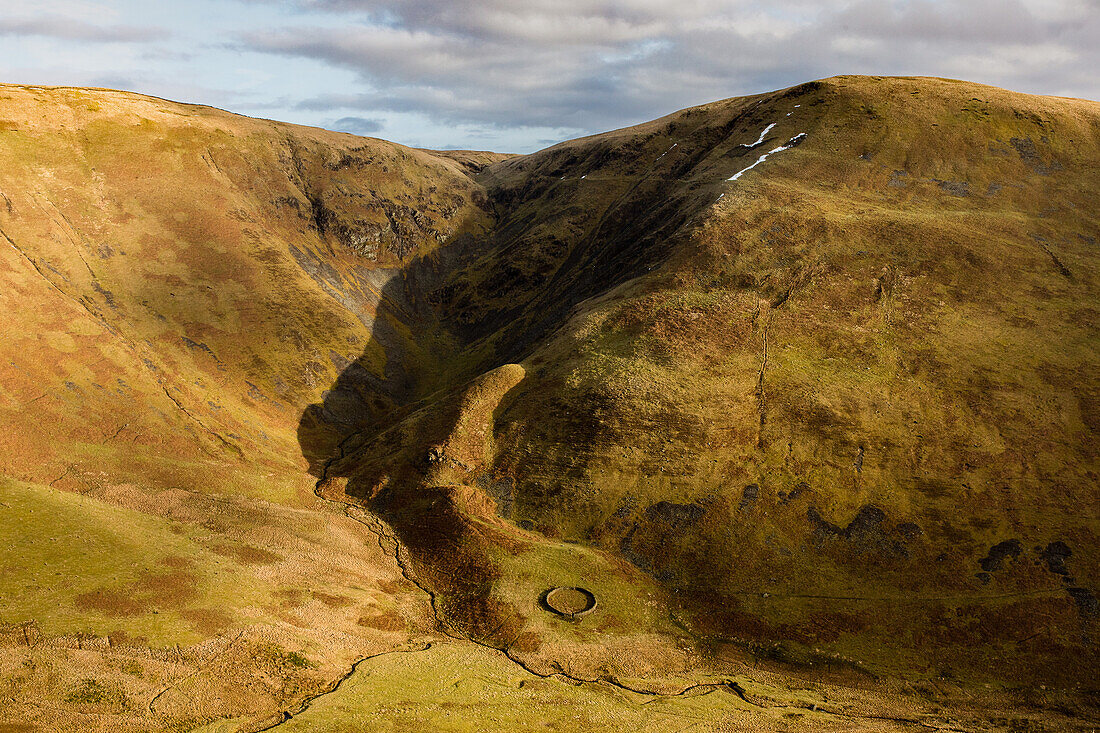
x: 802, y: 386
x: 179, y: 283
x: 821, y: 362
x: 218, y: 269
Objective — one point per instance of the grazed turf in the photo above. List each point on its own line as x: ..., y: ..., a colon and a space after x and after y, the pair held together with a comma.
x: 808, y: 401
x: 835, y: 419
x: 76, y: 563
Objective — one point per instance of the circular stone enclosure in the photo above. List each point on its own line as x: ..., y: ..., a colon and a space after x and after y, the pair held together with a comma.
x: 569, y: 602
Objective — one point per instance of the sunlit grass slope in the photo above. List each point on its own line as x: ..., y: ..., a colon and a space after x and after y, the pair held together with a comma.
x: 802, y: 386
x: 843, y: 404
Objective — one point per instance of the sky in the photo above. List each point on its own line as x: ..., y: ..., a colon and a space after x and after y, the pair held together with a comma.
x: 519, y: 75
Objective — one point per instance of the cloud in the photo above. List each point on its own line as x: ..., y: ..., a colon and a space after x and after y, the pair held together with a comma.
x: 357, y: 125
x: 593, y: 64
x: 70, y: 29
x: 507, y: 74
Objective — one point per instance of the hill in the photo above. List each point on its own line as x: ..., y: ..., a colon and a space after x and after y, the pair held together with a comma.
x: 801, y: 387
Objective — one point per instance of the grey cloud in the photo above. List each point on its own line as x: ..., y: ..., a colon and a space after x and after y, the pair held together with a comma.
x: 564, y: 21
x: 357, y: 125
x: 165, y: 54
x: 589, y: 65
x: 114, y: 81
x: 76, y: 30
x: 980, y: 21
x: 460, y: 80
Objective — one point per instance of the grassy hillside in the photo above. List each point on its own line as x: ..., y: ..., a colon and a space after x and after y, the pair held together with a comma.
x: 842, y: 406
x: 802, y: 386
x: 179, y: 284
x: 192, y: 279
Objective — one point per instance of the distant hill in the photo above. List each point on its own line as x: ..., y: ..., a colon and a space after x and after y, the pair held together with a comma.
x: 804, y: 382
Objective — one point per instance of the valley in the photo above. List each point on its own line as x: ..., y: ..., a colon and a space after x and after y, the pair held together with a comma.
x: 799, y: 389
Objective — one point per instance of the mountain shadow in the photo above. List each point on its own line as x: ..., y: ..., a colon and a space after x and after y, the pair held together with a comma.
x: 743, y: 351
x: 567, y: 224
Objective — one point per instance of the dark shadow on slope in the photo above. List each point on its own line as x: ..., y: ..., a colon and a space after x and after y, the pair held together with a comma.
x: 372, y: 437
x: 485, y: 300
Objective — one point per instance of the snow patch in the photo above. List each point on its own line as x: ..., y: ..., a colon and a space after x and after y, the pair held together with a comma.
x: 666, y: 152
x: 790, y: 144
x: 759, y: 139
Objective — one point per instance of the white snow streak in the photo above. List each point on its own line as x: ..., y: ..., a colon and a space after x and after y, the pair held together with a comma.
x: 790, y: 144
x: 759, y: 139
x: 666, y: 152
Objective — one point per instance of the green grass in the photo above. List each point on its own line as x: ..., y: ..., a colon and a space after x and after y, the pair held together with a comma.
x: 453, y: 687
x: 75, y: 564
x: 961, y: 398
